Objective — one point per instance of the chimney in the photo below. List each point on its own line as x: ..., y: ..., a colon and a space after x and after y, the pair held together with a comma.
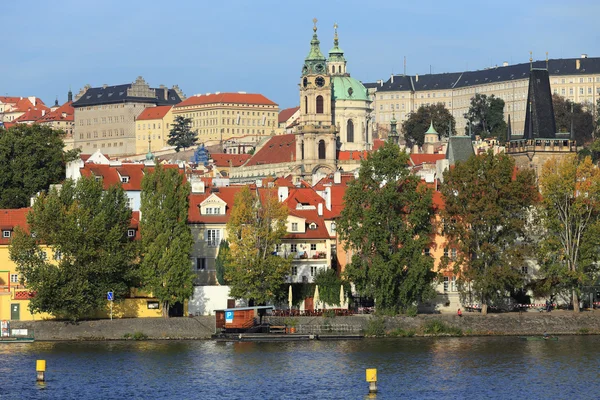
x: 505, y: 64
x: 104, y: 86
x: 166, y: 93
x: 320, y: 209
x: 282, y: 193
x: 577, y: 64
x: 328, y: 197
x: 392, y: 78
x: 417, y: 77
x: 43, y: 113
x: 337, y: 177
x: 583, y: 55
x: 32, y: 99
x: 197, y: 186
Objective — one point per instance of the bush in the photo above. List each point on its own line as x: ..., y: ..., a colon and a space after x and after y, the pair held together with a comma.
x: 399, y: 332
x: 139, y: 336
x: 438, y: 328
x: 375, y: 327
x: 127, y: 336
x: 583, y: 331
x: 411, y: 311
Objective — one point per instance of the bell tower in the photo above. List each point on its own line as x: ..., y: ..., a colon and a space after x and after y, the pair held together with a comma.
x: 316, y: 134
x: 336, y: 63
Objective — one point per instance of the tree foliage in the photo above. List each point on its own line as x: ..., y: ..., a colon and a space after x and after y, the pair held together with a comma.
x: 486, y: 116
x: 221, y: 261
x: 567, y: 112
x: 386, y: 224
x: 329, y: 286
x: 486, y: 209
x: 166, y: 237
x: 257, y: 224
x: 87, y: 228
x: 570, y: 214
x: 418, y: 122
x: 31, y: 159
x: 181, y: 135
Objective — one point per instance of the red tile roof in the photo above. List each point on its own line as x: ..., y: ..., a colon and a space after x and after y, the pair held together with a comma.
x: 377, y: 143
x: 158, y: 112
x: 57, y: 115
x: 308, y: 197
x: 34, y: 114
x: 232, y: 98
x: 10, y: 219
x: 278, y: 149
x: 352, y: 155
x: 286, y: 114
x: 112, y: 174
x: 226, y: 194
x: 9, y: 99
x: 25, y: 104
x: 222, y: 159
x: 418, y: 159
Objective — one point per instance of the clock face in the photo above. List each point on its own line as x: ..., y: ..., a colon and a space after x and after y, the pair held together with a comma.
x: 319, y: 68
x: 305, y: 82
x: 320, y: 81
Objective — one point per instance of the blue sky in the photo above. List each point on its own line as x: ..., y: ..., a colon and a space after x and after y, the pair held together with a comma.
x: 259, y: 46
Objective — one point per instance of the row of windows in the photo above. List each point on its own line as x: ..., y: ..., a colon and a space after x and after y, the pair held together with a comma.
x: 94, y: 134
x: 102, y: 120
x: 572, y: 80
x: 143, y: 137
x: 226, y: 112
x: 95, y: 146
x: 313, y: 270
x: 103, y: 107
x: 143, y: 126
x: 227, y: 130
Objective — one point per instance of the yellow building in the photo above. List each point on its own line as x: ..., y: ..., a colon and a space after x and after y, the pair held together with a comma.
x: 576, y: 79
x: 15, y: 296
x: 219, y: 116
x: 152, y: 128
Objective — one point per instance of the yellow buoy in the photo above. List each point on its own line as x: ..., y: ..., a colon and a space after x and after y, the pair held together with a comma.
x: 40, y: 368
x: 371, y: 375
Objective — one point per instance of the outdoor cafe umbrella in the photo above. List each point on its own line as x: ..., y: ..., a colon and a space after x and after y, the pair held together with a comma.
x: 342, y: 297
x: 290, y: 298
x: 316, y: 297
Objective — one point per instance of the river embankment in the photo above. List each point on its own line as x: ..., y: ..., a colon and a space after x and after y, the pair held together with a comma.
x: 506, y: 324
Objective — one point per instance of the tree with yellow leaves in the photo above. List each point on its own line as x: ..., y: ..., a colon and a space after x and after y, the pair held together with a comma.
x: 256, y: 226
x: 570, y: 215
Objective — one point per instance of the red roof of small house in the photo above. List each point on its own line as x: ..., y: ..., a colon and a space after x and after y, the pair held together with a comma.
x: 9, y: 124
x: 227, y: 194
x: 66, y: 112
x: 223, y: 159
x: 286, y: 114
x: 10, y: 219
x: 221, y: 98
x: 278, y: 149
x: 418, y: 159
x: 114, y: 174
x: 25, y: 104
x: 158, y: 112
x: 33, y: 114
x: 9, y: 99
x: 377, y: 143
x: 352, y: 155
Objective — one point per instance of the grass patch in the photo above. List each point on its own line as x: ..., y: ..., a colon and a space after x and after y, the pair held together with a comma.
x: 375, y: 327
x: 411, y: 311
x: 436, y: 327
x: 583, y: 331
x: 135, y: 336
x: 399, y: 332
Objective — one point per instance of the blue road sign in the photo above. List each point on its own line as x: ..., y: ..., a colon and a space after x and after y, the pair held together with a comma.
x: 228, y: 317
x: 109, y: 296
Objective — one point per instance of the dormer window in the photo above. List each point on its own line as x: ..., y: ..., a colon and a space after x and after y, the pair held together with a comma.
x: 312, y: 226
x: 294, y: 227
x: 98, y: 178
x: 124, y: 179
x: 5, y: 234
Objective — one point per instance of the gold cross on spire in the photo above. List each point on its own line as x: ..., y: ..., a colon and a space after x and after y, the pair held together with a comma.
x: 315, y: 22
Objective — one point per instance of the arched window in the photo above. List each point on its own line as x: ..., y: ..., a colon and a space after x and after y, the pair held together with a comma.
x: 305, y: 104
x: 340, y: 69
x: 321, y: 149
x: 319, y: 104
x: 350, y: 131
x: 333, y: 69
x: 302, y: 150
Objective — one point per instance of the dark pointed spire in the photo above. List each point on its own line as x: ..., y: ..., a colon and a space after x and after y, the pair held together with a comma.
x: 70, y: 95
x: 572, y: 126
x: 393, y: 136
x: 508, y: 130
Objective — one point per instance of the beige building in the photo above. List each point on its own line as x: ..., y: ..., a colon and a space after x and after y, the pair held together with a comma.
x: 576, y: 79
x: 105, y: 116
x: 152, y: 128
x: 220, y: 116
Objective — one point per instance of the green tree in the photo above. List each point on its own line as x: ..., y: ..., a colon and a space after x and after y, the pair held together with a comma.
x: 256, y: 226
x: 31, y: 159
x: 221, y: 261
x: 418, y: 122
x: 487, y: 204
x: 166, y: 237
x: 486, y: 116
x: 329, y: 286
x: 570, y: 215
x: 181, y: 135
x: 567, y: 112
x: 86, y: 229
x: 387, y: 224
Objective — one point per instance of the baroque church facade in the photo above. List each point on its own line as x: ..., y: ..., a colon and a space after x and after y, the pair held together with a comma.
x: 334, y: 121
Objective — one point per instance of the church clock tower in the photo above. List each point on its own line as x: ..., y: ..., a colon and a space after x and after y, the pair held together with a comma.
x: 316, y: 141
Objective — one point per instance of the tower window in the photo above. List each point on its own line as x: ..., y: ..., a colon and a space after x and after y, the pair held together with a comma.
x: 339, y: 69
x: 321, y: 149
x: 306, y: 104
x: 350, y: 131
x: 319, y: 104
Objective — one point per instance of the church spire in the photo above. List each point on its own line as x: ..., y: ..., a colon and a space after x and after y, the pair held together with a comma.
x: 315, y: 60
x: 336, y: 62
x: 393, y: 136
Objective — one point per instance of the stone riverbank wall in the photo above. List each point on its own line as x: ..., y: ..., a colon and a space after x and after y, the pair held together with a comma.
x: 153, y: 328
x: 526, y: 323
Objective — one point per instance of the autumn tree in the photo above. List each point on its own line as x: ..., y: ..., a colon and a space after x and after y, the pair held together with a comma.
x: 257, y: 224
x: 166, y: 237
x: 181, y: 135
x: 418, y: 122
x: 570, y: 215
x: 32, y: 157
x: 573, y: 116
x: 486, y: 117
x: 85, y: 229
x: 386, y: 224
x: 487, y: 204
x: 222, y: 260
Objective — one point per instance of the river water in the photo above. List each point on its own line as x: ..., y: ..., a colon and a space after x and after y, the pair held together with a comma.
x: 408, y: 368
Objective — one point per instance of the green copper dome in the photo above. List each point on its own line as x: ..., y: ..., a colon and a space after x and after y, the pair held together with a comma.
x: 314, y: 63
x: 347, y: 88
x: 336, y: 54
x: 431, y: 130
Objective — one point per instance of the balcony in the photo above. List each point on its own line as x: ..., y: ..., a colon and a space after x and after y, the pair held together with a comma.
x: 309, y: 255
